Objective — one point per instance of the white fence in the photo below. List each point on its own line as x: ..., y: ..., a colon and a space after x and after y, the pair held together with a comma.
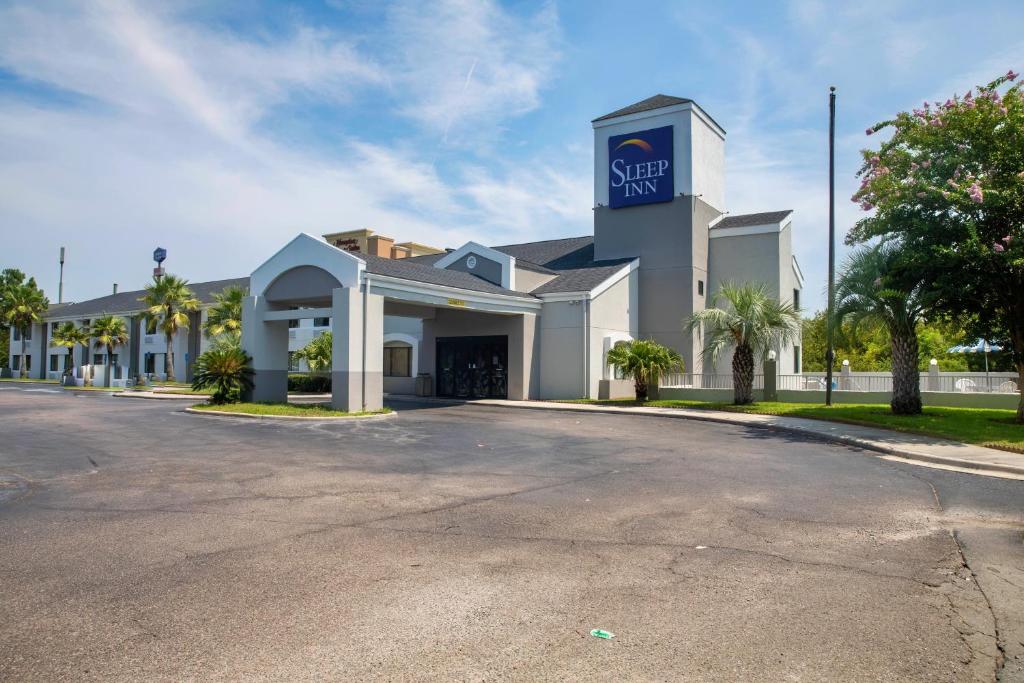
x: 967, y: 382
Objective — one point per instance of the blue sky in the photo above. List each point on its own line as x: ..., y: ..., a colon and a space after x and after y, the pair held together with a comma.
x: 218, y: 130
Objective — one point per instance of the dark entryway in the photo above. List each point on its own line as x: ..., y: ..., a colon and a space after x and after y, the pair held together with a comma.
x: 472, y: 367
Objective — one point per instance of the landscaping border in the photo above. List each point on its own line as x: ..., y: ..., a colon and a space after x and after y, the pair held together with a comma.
x: 328, y: 418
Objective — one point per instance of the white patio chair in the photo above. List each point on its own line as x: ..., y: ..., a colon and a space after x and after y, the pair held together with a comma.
x: 965, y: 385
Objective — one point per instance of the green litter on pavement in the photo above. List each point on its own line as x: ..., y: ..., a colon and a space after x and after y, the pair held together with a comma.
x: 601, y: 633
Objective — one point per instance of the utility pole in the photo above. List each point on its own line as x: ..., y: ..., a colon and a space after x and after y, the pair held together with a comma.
x: 831, y: 352
x: 60, y: 287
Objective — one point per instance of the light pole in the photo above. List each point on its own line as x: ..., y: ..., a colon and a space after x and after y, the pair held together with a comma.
x: 986, y: 348
x: 830, y: 353
x: 60, y: 286
x: 159, y: 255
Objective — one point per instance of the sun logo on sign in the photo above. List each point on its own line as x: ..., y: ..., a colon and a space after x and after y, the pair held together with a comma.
x: 637, y: 142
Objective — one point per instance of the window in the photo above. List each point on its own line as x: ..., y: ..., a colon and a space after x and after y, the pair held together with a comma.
x: 28, y: 334
x: 151, y: 326
x: 28, y: 363
x: 293, y: 362
x: 97, y: 359
x: 796, y: 299
x: 292, y: 324
x: 700, y: 287
x: 53, y: 328
x: 398, y: 361
x: 616, y: 370
x: 54, y: 360
x: 796, y: 359
x: 321, y: 322
x: 150, y: 363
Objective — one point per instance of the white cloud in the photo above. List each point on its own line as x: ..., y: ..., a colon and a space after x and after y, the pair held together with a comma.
x: 465, y: 65
x: 166, y: 148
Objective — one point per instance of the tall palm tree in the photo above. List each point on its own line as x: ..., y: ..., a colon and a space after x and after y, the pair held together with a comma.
x: 644, y: 360
x: 68, y: 336
x: 752, y: 323
x: 169, y: 301
x: 318, y: 352
x: 225, y: 316
x: 25, y: 304
x: 109, y: 332
x: 873, y: 289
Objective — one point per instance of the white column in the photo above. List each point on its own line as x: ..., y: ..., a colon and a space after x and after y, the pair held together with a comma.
x: 357, y: 363
x: 267, y: 342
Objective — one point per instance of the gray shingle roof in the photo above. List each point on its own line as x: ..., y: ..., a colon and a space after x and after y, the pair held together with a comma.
x: 417, y: 271
x: 571, y: 258
x: 553, y: 254
x: 656, y: 102
x: 651, y: 103
x: 582, y: 279
x: 749, y: 219
x: 128, y: 302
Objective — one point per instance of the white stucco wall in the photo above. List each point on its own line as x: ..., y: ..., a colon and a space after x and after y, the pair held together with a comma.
x: 614, y: 316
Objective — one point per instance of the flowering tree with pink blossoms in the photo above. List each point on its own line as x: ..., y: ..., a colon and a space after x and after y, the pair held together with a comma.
x: 947, y: 187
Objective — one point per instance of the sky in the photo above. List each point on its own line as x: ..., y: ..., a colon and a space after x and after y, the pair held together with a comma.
x: 218, y: 130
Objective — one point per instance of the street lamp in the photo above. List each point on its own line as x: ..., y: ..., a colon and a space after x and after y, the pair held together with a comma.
x: 830, y: 353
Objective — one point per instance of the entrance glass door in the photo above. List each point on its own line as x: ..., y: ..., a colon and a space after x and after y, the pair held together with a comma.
x: 472, y: 367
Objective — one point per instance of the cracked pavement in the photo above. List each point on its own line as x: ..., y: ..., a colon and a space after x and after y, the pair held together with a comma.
x: 472, y: 542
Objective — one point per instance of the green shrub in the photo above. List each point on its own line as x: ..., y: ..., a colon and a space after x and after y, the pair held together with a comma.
x: 226, y: 369
x: 309, y: 383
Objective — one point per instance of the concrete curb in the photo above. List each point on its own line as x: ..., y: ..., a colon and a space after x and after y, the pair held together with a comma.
x: 902, y: 453
x: 159, y: 396
x: 288, y: 418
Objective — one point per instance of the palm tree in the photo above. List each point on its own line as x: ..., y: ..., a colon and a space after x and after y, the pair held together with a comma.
x: 169, y: 301
x: 109, y: 332
x: 318, y: 352
x: 227, y: 370
x: 752, y: 323
x: 24, y: 303
x: 225, y: 316
x: 644, y: 360
x: 872, y: 289
x: 68, y: 336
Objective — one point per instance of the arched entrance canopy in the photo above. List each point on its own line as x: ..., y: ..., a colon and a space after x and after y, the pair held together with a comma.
x: 328, y: 283
x: 306, y: 267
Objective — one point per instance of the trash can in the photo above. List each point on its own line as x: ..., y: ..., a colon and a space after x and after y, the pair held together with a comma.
x: 424, y: 384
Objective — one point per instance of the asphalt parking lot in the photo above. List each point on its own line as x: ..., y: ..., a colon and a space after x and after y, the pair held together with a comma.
x: 481, y: 543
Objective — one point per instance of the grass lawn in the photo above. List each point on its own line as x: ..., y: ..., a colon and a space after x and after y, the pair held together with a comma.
x: 287, y: 409
x: 981, y: 426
